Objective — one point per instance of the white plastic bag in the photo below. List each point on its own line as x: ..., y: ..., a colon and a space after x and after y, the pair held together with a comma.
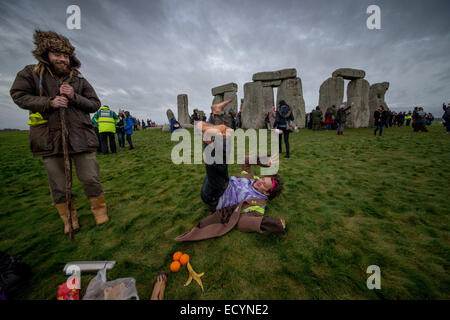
x: 123, y: 288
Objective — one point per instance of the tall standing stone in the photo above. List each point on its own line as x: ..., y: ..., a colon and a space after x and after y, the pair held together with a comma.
x: 358, y: 93
x: 331, y: 93
x: 268, y: 98
x: 183, y: 112
x: 170, y: 115
x: 377, y: 98
x: 253, y: 106
x: 291, y: 91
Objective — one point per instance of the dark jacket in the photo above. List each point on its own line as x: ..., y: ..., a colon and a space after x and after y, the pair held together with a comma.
x: 45, y: 139
x: 342, y: 115
x: 284, y: 114
x: 316, y: 116
x: 120, y: 127
x: 446, y: 115
x: 380, y: 117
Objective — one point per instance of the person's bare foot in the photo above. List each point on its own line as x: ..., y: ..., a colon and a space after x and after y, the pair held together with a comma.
x: 283, y: 223
x: 218, y: 107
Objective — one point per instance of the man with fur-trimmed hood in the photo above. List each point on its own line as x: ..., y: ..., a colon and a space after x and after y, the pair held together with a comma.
x: 54, y: 83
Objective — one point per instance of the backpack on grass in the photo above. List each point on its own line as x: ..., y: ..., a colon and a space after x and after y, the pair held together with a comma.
x: 14, y: 276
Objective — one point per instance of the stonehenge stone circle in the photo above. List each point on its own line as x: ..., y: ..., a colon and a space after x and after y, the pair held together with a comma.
x: 358, y: 93
x: 366, y: 98
x: 259, y: 97
x: 377, y: 98
x: 183, y: 113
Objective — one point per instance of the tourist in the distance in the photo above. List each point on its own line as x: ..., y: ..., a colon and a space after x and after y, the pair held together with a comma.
x: 283, y: 117
x: 380, y: 120
x: 446, y: 117
x: 341, y: 118
x: 316, y: 118
x: 419, y: 120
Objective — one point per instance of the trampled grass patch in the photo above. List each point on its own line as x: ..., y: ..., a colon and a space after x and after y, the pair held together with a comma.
x: 349, y: 202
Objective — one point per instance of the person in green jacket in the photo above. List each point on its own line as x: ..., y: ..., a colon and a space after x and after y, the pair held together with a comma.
x: 316, y: 116
x: 106, y: 121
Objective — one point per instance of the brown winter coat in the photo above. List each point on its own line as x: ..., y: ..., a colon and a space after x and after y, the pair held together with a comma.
x: 45, y: 139
x: 223, y: 220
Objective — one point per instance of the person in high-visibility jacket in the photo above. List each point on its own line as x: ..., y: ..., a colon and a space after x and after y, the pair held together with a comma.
x: 408, y: 118
x: 106, y: 120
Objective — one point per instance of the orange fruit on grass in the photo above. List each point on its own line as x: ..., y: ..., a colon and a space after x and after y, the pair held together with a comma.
x: 184, y: 259
x: 177, y: 255
x: 175, y: 266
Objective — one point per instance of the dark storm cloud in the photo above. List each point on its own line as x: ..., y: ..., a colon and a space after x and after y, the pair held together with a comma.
x: 142, y: 54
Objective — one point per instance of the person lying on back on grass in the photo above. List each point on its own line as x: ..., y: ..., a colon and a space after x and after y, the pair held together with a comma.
x: 238, y: 200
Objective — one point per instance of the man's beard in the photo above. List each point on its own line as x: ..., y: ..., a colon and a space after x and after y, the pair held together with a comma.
x: 61, y: 68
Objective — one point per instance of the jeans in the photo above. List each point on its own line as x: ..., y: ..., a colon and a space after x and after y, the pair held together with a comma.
x: 340, y: 127
x: 286, y: 141
x: 121, y: 138
x: 216, y: 179
x: 329, y: 126
x: 129, y: 141
x: 379, y: 126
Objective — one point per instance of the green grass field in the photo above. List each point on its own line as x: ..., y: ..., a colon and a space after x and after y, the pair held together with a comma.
x: 349, y: 202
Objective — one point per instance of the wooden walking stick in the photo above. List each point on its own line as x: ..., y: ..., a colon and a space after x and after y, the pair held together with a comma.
x: 67, y: 168
x: 160, y: 287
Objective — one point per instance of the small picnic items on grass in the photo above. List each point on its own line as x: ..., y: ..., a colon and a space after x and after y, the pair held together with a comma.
x: 160, y: 287
x: 183, y: 259
x: 194, y: 275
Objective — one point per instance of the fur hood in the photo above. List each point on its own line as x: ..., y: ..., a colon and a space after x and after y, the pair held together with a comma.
x: 46, y: 41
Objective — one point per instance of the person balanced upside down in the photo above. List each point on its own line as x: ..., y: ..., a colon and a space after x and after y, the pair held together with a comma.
x: 237, y: 201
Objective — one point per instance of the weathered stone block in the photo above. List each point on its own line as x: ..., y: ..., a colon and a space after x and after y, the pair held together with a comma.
x: 349, y: 74
x: 268, y: 98
x: 252, y: 113
x: 358, y: 93
x: 229, y: 87
x: 275, y: 75
x: 183, y: 112
x: 274, y: 83
x: 170, y: 114
x: 331, y: 93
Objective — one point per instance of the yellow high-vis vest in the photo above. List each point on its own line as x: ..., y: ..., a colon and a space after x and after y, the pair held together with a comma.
x: 106, y: 120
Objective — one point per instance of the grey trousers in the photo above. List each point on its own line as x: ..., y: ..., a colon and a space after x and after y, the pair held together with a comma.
x: 87, y: 170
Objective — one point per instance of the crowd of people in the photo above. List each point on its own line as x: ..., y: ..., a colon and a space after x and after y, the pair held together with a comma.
x: 335, y: 119
x: 107, y: 124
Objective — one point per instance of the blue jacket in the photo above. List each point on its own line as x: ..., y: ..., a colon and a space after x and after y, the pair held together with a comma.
x: 129, y: 126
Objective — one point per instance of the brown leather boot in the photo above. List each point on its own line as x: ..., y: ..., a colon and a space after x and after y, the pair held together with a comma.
x: 61, y: 207
x: 98, y: 207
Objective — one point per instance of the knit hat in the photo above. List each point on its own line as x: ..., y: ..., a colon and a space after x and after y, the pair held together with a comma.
x: 46, y: 41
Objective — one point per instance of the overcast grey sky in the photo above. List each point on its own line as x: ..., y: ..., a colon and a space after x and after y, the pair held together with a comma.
x: 141, y: 54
